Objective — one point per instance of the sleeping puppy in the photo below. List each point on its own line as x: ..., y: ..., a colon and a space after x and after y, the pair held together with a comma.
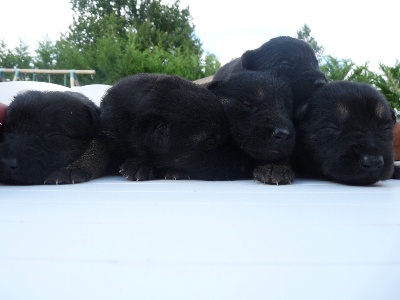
x: 292, y: 59
x: 46, y: 137
x: 164, y: 126
x: 345, y: 134
x: 258, y: 106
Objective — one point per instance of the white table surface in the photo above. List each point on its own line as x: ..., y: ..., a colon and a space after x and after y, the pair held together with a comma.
x: 115, y: 239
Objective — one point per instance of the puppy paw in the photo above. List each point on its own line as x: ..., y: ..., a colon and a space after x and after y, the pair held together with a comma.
x: 79, y: 175
x: 58, y: 177
x: 68, y: 176
x: 134, y: 172
x: 274, y: 174
x: 176, y: 175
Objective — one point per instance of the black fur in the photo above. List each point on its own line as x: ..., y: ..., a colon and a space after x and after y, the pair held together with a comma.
x: 258, y: 106
x: 292, y: 59
x: 345, y: 134
x: 167, y: 127
x: 45, y: 138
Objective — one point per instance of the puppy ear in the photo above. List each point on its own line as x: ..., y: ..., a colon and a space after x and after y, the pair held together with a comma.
x: 93, y: 113
x: 213, y: 85
x: 248, y: 60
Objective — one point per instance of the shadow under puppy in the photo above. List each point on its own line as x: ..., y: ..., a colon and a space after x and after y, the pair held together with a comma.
x: 48, y: 138
x: 345, y: 134
x: 292, y: 59
x: 258, y: 106
x: 164, y: 126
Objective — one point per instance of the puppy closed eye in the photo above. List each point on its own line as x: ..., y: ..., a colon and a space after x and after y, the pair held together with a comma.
x: 333, y: 129
x: 249, y: 106
x: 388, y: 127
x: 285, y: 64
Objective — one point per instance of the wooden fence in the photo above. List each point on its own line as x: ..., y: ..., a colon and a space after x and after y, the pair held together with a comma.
x: 72, y: 73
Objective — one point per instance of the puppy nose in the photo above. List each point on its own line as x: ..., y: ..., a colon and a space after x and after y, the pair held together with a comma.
x: 319, y: 82
x: 371, y: 162
x: 280, y: 134
x: 9, y: 164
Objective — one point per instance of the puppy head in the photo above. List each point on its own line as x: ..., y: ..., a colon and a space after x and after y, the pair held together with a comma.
x: 283, y: 54
x: 44, y: 131
x: 345, y: 131
x: 290, y: 58
x: 259, y: 109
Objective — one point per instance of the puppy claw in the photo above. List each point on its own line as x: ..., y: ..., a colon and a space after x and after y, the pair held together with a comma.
x: 176, y: 175
x: 68, y: 176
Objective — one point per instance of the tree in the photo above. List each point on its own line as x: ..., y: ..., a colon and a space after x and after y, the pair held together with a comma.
x: 389, y: 83
x: 21, y: 56
x: 305, y: 35
x: 18, y: 58
x: 69, y: 57
x: 212, y: 64
x: 45, y: 55
x: 362, y: 74
x: 4, y: 60
x: 120, y: 38
x: 336, y: 69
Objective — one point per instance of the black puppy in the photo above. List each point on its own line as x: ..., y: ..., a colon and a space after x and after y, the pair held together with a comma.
x: 292, y: 59
x: 47, y: 138
x: 164, y: 126
x: 258, y: 106
x: 345, y: 134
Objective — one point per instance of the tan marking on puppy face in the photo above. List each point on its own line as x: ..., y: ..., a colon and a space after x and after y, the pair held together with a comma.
x: 343, y: 110
x: 379, y: 110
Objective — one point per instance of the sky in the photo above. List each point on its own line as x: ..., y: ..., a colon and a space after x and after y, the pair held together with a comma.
x: 363, y: 32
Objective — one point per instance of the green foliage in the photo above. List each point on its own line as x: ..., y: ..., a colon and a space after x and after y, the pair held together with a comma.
x: 45, y: 55
x: 389, y: 83
x: 18, y: 57
x: 362, y: 74
x: 305, y: 35
x: 346, y: 69
x: 212, y: 64
x: 336, y: 69
x: 121, y: 38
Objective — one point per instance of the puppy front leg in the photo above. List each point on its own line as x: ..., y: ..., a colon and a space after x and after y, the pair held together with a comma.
x: 92, y: 164
x: 274, y: 173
